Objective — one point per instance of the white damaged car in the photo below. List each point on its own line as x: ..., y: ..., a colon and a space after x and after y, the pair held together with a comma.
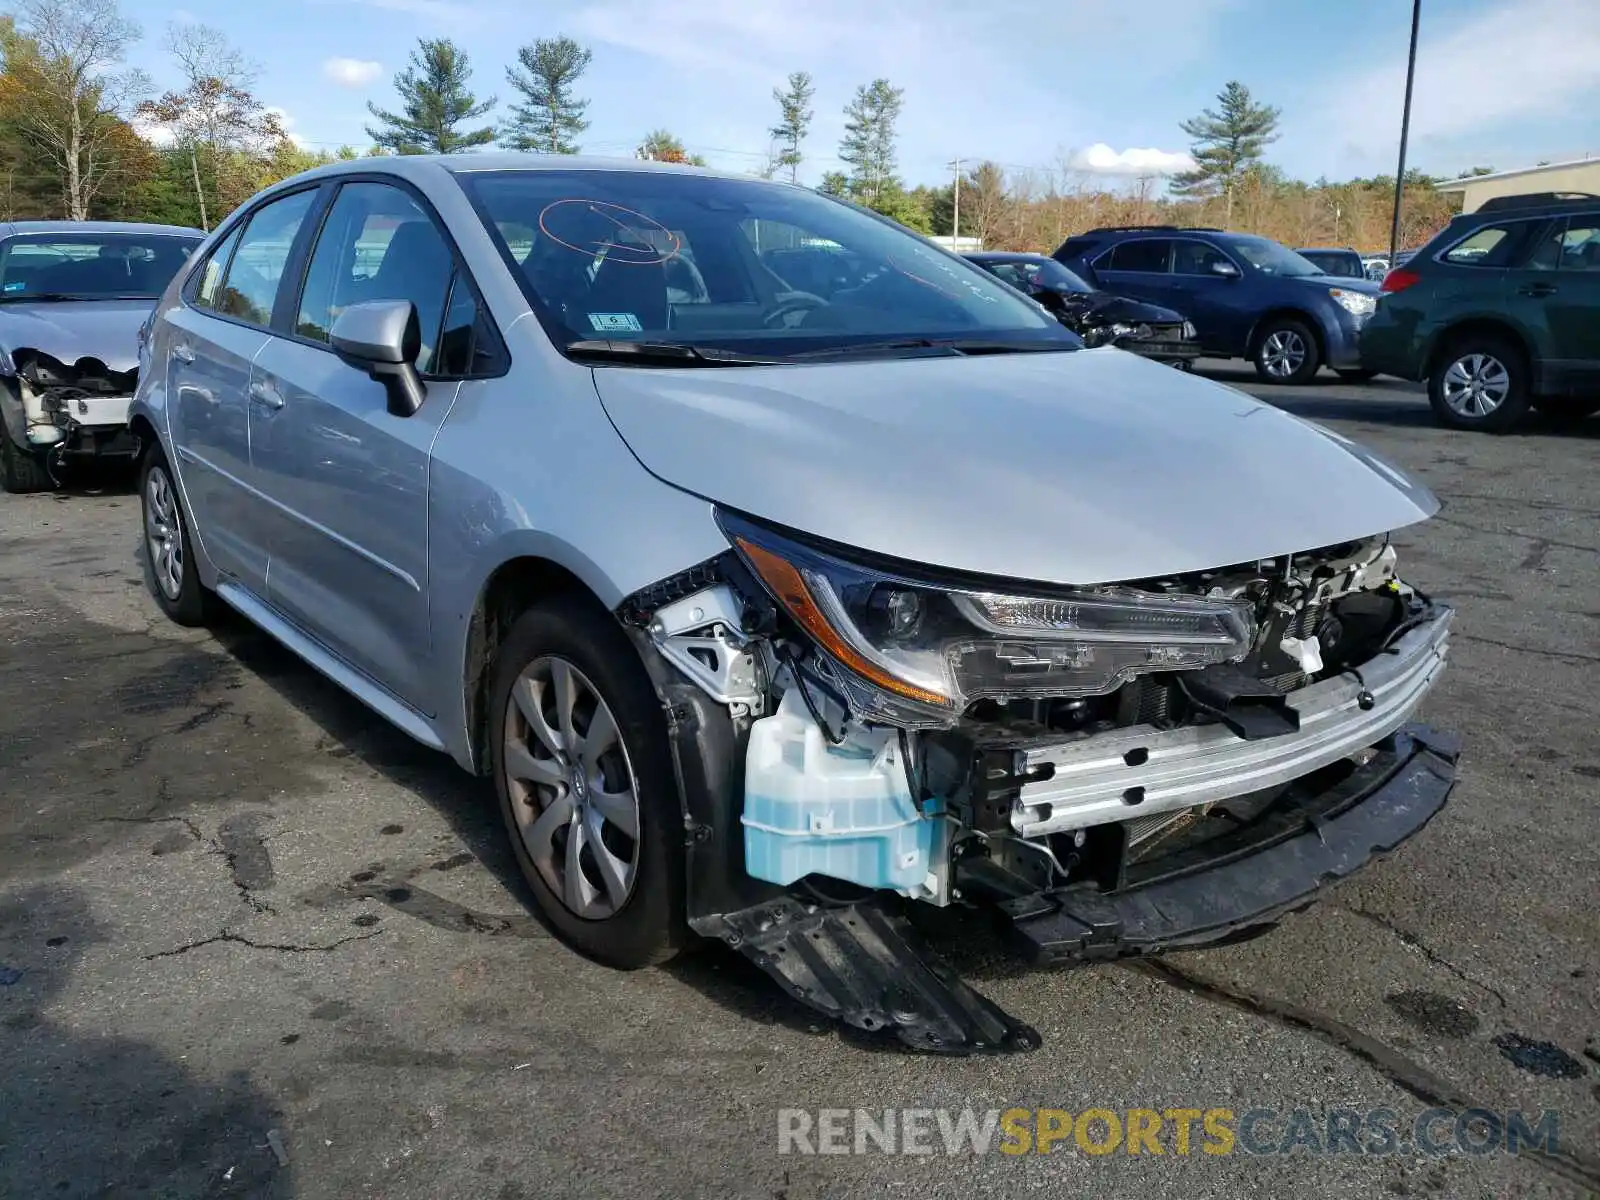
x: 787, y: 573
x: 73, y: 296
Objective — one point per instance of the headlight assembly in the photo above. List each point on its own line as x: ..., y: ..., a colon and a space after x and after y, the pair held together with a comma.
x: 1356, y: 303
x: 919, y: 650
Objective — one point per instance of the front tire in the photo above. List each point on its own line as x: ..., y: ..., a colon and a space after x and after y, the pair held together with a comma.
x: 583, y: 772
x: 1480, y: 382
x: 1286, y: 351
x: 21, y: 469
x: 169, y: 567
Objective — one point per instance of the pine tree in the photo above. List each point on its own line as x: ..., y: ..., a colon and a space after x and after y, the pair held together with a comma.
x: 1227, y: 143
x: 552, y: 116
x: 868, y: 145
x: 795, y: 113
x: 436, y: 103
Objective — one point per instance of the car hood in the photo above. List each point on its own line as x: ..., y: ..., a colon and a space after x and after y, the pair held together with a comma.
x: 1350, y: 284
x: 68, y: 330
x: 1077, y: 467
x: 1105, y: 308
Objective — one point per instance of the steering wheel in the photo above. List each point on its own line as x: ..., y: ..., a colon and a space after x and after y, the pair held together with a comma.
x: 789, y: 304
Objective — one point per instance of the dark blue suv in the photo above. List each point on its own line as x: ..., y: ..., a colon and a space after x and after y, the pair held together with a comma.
x: 1247, y: 296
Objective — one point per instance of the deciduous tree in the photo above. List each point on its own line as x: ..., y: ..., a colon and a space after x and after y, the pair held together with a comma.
x: 64, y: 82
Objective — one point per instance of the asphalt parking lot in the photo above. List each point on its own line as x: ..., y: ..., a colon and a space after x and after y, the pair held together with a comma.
x: 253, y: 942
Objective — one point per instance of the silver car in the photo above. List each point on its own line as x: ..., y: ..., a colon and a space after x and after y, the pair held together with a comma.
x: 73, y: 296
x: 784, y: 571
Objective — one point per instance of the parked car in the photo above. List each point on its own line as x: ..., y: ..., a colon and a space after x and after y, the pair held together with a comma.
x: 1247, y: 296
x: 73, y: 295
x: 1499, y: 313
x: 1099, y: 318
x: 767, y: 612
x: 1345, y: 263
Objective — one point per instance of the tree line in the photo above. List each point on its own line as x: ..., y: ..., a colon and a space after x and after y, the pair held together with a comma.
x: 81, y: 135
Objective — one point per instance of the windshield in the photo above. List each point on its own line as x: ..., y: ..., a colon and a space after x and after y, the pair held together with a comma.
x: 1028, y: 273
x: 1336, y: 262
x: 1270, y: 258
x: 90, y: 266
x: 760, y: 268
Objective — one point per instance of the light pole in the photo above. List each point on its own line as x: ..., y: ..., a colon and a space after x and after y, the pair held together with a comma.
x: 955, y: 225
x: 1405, y: 130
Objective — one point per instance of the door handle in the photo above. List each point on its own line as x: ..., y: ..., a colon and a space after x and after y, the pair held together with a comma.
x: 1537, y: 289
x: 182, y: 353
x: 265, y: 394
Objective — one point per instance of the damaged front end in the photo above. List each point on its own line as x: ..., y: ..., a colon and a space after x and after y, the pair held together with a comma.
x: 54, y: 410
x: 1110, y: 771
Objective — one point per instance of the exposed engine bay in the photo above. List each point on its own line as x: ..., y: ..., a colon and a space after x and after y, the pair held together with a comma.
x: 952, y: 744
x: 1039, y: 755
x: 53, y: 410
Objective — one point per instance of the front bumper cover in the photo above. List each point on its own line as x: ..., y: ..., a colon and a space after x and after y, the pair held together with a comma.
x: 1229, y: 889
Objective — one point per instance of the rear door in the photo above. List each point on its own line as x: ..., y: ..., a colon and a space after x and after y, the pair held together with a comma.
x: 347, y: 478
x: 212, y: 340
x: 1138, y: 267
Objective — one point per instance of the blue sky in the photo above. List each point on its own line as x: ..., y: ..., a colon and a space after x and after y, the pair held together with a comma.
x: 1045, y: 84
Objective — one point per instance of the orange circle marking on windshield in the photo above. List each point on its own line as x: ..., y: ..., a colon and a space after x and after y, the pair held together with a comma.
x: 604, y: 208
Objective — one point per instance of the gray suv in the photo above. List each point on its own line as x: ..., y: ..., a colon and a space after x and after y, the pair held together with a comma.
x: 771, y: 609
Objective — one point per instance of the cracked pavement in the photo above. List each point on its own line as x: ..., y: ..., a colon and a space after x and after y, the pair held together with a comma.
x: 254, y: 942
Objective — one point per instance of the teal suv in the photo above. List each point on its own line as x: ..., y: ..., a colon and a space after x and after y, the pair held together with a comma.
x: 1499, y: 313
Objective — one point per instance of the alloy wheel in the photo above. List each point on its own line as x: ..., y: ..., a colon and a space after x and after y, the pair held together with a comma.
x: 1283, y: 353
x: 1475, y: 385
x: 163, y: 529
x: 572, y: 788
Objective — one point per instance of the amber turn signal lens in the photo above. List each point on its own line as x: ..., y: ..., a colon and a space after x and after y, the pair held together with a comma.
x: 790, y: 588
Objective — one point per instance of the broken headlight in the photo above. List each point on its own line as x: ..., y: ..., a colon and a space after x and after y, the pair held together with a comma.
x: 903, y: 639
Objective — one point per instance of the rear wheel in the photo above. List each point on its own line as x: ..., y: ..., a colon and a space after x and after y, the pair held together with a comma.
x: 21, y: 469
x: 169, y: 567
x: 1286, y: 351
x: 1480, y: 382
x: 586, y: 787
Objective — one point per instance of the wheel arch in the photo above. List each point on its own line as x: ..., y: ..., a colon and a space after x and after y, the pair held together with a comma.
x: 514, y: 586
x: 1480, y: 326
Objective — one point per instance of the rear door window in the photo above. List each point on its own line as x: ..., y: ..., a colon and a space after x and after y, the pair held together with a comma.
x: 1570, y: 245
x: 1148, y: 255
x: 251, y: 285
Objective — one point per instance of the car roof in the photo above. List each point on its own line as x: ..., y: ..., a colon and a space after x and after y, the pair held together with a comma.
x: 1006, y: 256
x: 11, y: 228
x: 1326, y: 250
x: 425, y: 166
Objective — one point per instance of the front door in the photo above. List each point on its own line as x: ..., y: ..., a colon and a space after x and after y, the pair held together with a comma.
x: 348, y: 479
x: 1572, y: 307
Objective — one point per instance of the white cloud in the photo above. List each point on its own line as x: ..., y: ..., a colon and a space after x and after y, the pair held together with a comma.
x: 1101, y: 159
x: 351, y: 72
x: 1523, y: 60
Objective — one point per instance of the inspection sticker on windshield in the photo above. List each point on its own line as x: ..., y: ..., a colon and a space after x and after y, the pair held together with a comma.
x: 615, y: 323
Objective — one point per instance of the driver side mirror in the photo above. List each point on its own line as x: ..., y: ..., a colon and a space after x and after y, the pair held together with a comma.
x: 1224, y: 268
x: 384, y: 338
